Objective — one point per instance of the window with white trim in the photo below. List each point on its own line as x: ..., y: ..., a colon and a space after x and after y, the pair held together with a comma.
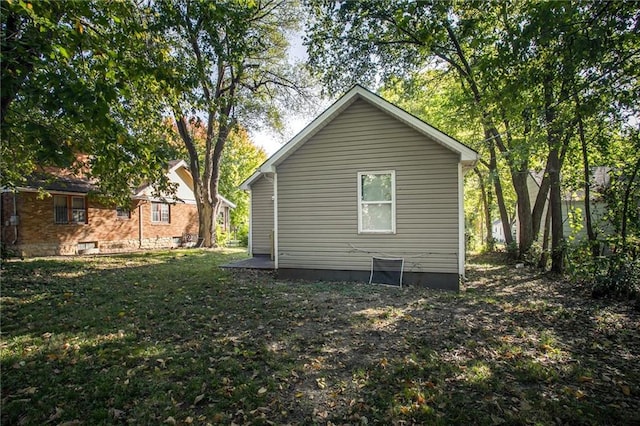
x: 160, y: 213
x: 69, y: 209
x: 377, y: 202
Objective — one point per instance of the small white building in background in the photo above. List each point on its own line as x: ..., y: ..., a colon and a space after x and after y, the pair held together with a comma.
x: 573, y: 211
x: 497, y: 231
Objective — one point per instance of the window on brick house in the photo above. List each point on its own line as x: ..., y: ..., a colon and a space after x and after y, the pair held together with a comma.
x: 69, y: 209
x: 160, y: 213
x: 123, y: 213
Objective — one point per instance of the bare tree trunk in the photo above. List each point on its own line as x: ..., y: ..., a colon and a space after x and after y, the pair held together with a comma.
x: 525, y: 226
x: 591, y: 236
x: 543, y: 193
x: 490, y: 246
x: 519, y: 178
x: 555, y: 198
x: 555, y: 204
x: 544, y: 256
x: 502, y: 208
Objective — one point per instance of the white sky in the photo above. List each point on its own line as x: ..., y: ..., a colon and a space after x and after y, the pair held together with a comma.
x: 271, y: 141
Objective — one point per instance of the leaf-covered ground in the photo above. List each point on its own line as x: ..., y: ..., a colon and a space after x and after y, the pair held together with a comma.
x: 168, y: 337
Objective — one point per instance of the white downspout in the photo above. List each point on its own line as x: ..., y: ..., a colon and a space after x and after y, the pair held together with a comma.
x: 140, y: 225
x: 461, y: 227
x: 250, y: 242
x: 275, y: 219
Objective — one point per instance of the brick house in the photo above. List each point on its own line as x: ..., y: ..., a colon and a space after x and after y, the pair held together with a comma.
x: 62, y: 217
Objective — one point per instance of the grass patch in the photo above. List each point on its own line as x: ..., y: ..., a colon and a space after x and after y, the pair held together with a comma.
x: 169, y: 337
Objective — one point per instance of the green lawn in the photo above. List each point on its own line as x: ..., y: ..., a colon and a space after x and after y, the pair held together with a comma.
x: 168, y: 337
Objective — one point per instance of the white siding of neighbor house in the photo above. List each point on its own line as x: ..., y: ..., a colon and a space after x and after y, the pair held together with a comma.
x: 261, y: 216
x: 184, y: 191
x: 317, y: 196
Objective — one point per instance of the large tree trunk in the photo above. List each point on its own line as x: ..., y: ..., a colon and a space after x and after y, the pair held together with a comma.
x: 519, y: 178
x: 544, y: 256
x: 555, y: 198
x: 205, y: 185
x: 555, y: 204
x: 206, y: 224
x: 525, y: 219
x: 502, y: 208
x: 542, y: 201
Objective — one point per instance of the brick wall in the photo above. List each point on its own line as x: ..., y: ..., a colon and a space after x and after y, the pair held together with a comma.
x: 38, y: 235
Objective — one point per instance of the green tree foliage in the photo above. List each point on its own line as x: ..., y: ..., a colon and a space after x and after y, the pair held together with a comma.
x: 240, y: 159
x: 74, y: 81
x: 224, y: 62
x: 539, y: 77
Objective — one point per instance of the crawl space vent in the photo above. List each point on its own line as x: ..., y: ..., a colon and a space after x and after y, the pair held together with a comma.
x: 386, y: 271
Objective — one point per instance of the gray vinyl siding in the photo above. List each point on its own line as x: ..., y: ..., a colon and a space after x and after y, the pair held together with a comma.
x: 261, y: 215
x: 317, y: 196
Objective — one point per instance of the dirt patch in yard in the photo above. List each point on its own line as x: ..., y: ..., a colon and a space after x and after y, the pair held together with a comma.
x: 513, y: 346
x: 170, y: 338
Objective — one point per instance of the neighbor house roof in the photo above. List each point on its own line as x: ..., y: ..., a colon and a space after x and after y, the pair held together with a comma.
x: 61, y: 181
x: 57, y: 183
x: 467, y: 155
x: 173, y: 166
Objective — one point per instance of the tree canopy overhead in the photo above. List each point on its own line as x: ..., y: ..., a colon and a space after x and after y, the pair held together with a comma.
x: 536, y: 76
x: 226, y: 63
x: 75, y: 80
x: 99, y: 78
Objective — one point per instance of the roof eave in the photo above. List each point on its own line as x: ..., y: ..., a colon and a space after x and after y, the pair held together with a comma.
x: 468, y: 156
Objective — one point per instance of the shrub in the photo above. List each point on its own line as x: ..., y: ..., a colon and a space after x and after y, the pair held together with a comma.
x: 622, y: 278
x: 6, y: 252
x: 222, y: 238
x: 242, y: 235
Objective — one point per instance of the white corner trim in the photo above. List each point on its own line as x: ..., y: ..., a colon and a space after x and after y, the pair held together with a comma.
x: 275, y: 220
x: 250, y: 242
x: 461, y: 224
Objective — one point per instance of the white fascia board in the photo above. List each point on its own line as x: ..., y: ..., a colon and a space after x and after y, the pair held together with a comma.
x: 246, y: 185
x: 179, y: 164
x: 224, y: 200
x: 467, y: 155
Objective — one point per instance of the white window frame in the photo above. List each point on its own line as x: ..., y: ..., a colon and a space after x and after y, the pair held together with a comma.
x: 161, y: 216
x: 392, y: 202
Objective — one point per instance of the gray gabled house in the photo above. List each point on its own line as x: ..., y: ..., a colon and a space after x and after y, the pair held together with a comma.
x: 364, y: 179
